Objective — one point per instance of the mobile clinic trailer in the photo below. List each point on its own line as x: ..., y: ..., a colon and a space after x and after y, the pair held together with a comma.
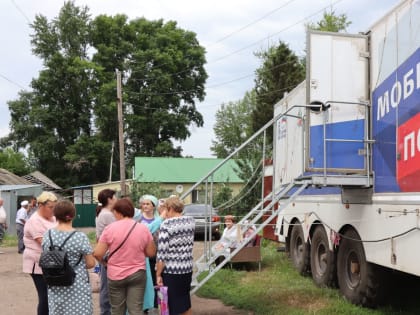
x: 358, y: 148
x: 344, y: 175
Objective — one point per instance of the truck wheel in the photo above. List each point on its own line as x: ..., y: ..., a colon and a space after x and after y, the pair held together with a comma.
x: 299, y: 250
x: 323, y: 266
x: 359, y: 281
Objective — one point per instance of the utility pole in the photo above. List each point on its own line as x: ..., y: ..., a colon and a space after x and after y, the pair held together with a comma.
x: 110, y: 164
x: 120, y: 132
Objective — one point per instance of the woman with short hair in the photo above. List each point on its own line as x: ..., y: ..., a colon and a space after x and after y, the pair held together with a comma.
x: 126, y: 270
x: 41, y: 221
x: 75, y: 299
x: 231, y: 236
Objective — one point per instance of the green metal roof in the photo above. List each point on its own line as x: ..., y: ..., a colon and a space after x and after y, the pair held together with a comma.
x: 182, y: 170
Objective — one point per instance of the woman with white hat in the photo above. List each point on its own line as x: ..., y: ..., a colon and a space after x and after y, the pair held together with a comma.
x: 21, y: 217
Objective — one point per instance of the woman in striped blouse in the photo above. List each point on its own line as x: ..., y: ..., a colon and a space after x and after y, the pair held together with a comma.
x: 174, y: 261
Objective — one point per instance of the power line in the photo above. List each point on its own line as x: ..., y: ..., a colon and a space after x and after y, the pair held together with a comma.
x: 248, y: 46
x: 234, y: 32
x: 214, y: 85
x: 11, y: 81
x: 252, y: 23
x: 135, y: 94
x: 269, y: 36
x: 21, y: 12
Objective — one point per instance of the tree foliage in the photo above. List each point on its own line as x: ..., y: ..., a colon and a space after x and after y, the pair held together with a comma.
x: 139, y: 189
x: 233, y: 125
x: 223, y: 195
x: 14, y: 162
x: 163, y: 69
x: 281, y: 71
x: 69, y: 119
x: 56, y: 114
x: 331, y: 23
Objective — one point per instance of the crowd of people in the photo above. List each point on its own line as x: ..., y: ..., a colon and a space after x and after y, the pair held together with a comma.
x: 137, y: 249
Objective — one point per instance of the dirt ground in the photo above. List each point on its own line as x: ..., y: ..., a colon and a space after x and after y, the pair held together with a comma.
x: 18, y: 294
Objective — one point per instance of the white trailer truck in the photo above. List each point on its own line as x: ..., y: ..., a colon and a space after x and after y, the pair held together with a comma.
x: 343, y: 183
x: 358, y: 152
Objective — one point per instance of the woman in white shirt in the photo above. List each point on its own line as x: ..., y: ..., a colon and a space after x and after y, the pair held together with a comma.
x: 230, y: 238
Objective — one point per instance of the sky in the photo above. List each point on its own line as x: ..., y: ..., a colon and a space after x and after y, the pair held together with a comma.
x: 231, y: 32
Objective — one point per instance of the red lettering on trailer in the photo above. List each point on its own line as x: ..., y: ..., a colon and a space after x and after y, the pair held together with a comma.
x: 408, y: 162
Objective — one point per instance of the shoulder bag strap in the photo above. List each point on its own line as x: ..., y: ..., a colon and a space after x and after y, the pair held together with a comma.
x: 67, y: 238
x: 80, y: 259
x: 51, y: 242
x: 61, y: 246
x: 121, y: 244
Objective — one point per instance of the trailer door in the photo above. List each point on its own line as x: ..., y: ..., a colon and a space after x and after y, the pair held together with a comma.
x: 337, y: 76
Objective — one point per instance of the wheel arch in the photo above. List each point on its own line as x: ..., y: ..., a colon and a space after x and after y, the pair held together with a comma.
x: 314, y: 224
x: 292, y: 222
x: 327, y: 230
x: 348, y: 227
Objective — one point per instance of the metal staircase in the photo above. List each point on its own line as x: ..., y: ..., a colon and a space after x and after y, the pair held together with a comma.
x: 206, y: 263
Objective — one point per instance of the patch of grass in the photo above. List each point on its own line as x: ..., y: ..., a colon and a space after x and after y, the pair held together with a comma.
x: 9, y: 240
x: 279, y: 290
x: 92, y: 237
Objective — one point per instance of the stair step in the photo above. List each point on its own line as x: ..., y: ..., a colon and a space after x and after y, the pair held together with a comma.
x: 202, y: 267
x: 194, y: 282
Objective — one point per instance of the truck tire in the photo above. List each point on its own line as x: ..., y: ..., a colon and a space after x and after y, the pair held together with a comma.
x: 358, y: 280
x: 299, y: 250
x: 323, y: 264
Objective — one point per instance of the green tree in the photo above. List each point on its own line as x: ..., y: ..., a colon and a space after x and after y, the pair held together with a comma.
x: 222, y: 196
x: 57, y: 113
x: 281, y: 71
x: 140, y: 189
x: 164, y: 75
x: 14, y: 162
x: 331, y: 23
x: 69, y: 120
x: 233, y: 125
x: 89, y: 157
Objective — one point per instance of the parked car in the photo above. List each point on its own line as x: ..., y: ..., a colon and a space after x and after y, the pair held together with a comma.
x: 201, y: 213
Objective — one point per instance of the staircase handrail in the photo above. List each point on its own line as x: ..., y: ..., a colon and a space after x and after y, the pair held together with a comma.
x: 249, y: 140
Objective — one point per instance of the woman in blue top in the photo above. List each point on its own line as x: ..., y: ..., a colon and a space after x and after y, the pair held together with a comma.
x: 152, y: 219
